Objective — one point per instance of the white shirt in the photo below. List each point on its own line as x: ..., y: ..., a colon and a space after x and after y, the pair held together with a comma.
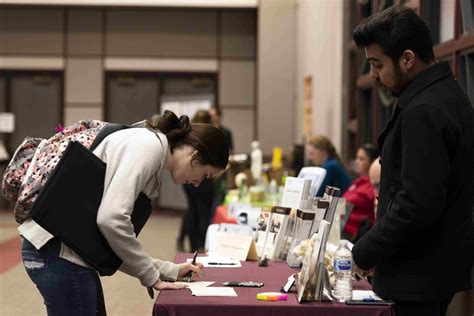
x: 135, y: 159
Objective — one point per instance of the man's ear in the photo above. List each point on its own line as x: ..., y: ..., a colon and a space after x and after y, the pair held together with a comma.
x: 407, y: 59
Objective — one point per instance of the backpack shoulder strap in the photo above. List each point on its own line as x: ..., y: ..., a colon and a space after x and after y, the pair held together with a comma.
x: 106, y: 131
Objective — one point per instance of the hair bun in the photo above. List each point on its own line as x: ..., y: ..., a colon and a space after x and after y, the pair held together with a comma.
x: 180, y: 132
x: 172, y: 126
x: 183, y: 121
x: 184, y: 125
x: 210, y: 142
x: 169, y: 121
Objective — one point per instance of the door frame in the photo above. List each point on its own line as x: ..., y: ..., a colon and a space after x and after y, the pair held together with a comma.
x: 8, y: 74
x: 161, y: 76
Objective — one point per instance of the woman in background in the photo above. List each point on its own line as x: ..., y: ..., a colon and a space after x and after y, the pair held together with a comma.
x: 361, y: 195
x: 322, y: 153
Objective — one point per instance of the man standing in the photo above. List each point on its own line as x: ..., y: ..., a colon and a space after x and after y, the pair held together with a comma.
x: 216, y: 116
x: 220, y: 186
x: 421, y: 247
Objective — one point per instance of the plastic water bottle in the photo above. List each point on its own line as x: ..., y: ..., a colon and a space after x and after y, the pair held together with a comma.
x: 342, y: 270
x: 256, y: 159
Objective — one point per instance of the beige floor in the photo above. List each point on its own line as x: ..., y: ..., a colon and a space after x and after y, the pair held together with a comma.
x: 123, y: 294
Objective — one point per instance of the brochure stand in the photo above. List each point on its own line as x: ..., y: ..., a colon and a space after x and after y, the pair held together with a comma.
x: 313, y: 281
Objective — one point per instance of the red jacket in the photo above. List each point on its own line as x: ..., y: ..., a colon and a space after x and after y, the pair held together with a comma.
x: 361, y: 194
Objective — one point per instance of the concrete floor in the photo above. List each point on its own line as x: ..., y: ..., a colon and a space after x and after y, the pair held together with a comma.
x: 123, y: 294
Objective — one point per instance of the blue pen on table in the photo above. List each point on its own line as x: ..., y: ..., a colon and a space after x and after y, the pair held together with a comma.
x: 190, y: 273
x: 368, y: 299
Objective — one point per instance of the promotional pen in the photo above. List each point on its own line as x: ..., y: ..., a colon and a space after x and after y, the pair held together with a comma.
x: 150, y: 292
x: 221, y: 263
x: 190, y: 273
x: 243, y: 284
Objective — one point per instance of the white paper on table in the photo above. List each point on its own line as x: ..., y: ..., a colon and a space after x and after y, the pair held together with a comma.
x: 195, y: 283
x: 218, y: 262
x: 213, y: 291
x: 359, y: 295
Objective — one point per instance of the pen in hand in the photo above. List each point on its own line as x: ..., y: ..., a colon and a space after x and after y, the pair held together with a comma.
x: 190, y: 273
x: 150, y: 292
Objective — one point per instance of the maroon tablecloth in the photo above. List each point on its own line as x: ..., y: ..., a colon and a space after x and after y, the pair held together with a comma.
x: 181, y: 302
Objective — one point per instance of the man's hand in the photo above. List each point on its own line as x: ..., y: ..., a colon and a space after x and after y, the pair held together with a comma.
x: 185, y: 267
x: 362, y: 273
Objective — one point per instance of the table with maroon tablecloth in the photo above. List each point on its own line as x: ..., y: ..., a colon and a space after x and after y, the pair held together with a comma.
x: 181, y: 302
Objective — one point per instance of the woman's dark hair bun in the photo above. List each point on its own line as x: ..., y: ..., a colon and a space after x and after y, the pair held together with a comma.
x: 210, y: 142
x: 184, y: 121
x: 169, y: 124
x: 183, y: 129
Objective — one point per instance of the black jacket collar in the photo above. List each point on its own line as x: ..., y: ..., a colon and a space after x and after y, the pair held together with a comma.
x: 427, y: 77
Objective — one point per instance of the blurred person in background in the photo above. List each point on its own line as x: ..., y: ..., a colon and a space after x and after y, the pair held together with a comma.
x: 322, y: 153
x: 296, y: 158
x: 220, y: 187
x: 216, y: 121
x: 374, y: 176
x: 361, y: 195
x: 196, y: 220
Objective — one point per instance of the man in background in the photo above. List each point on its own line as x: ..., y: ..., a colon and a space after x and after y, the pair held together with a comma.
x: 374, y: 176
x: 220, y: 188
x: 216, y: 117
x: 421, y: 247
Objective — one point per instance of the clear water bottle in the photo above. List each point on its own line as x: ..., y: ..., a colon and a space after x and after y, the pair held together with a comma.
x: 256, y: 158
x: 342, y: 270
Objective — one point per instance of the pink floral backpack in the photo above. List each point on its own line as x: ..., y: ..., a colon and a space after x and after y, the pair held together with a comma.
x: 35, y: 159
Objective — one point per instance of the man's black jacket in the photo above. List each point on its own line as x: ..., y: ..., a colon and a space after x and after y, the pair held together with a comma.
x: 422, y: 245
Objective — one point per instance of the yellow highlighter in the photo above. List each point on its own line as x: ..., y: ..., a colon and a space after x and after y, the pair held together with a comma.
x: 272, y: 296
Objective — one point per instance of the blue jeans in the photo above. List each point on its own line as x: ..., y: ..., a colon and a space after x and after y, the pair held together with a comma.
x: 67, y: 288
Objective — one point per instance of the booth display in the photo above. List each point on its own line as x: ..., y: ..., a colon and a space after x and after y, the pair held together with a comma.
x: 181, y: 302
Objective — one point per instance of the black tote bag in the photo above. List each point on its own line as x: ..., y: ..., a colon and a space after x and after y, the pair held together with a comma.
x: 68, y: 203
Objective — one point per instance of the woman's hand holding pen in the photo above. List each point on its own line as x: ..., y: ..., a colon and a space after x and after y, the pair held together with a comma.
x: 186, y: 267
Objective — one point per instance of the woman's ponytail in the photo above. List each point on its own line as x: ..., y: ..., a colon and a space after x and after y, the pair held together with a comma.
x: 210, y: 142
x: 175, y: 129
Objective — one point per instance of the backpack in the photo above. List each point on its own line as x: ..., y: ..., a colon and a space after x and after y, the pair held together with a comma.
x: 35, y: 159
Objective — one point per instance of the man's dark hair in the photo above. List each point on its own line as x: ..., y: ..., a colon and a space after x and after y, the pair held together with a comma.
x: 395, y: 30
x: 371, y: 151
x: 218, y: 110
